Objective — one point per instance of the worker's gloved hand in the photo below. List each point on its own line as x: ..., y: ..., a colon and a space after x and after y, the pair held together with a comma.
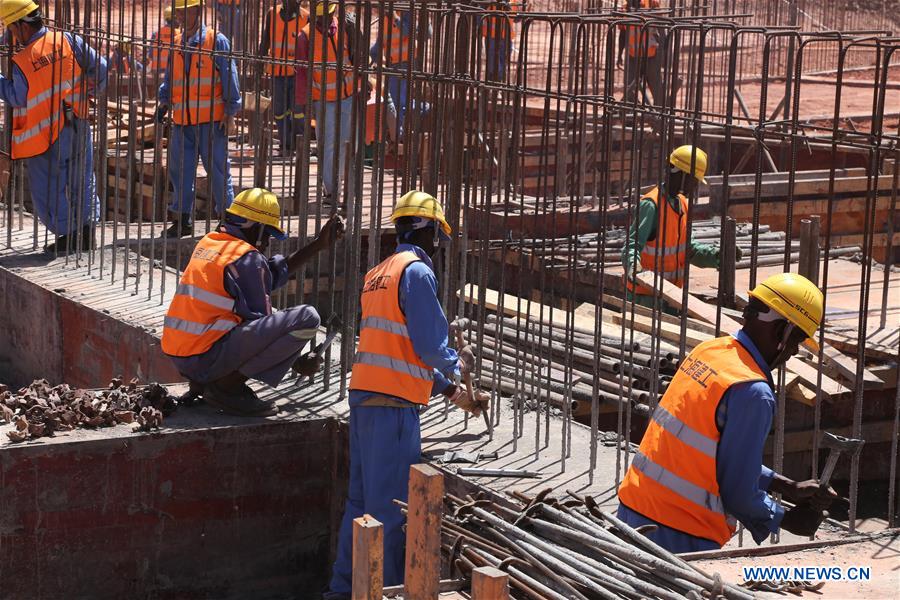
x: 308, y: 365
x: 473, y: 405
x: 161, y: 111
x: 803, y: 519
x: 811, y: 492
x: 331, y: 232
x: 466, y: 360
x: 228, y: 125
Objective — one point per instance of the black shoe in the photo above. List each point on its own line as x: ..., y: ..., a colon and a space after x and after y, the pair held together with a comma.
x: 192, y: 396
x: 237, y: 400
x: 58, y: 245
x: 179, y: 229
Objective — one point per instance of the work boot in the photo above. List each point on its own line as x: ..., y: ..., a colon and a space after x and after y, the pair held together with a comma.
x: 232, y: 395
x: 181, y: 227
x: 58, y: 245
x: 192, y: 396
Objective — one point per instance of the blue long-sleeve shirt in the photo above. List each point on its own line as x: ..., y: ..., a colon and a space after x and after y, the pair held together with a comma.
x: 252, y: 278
x: 406, y: 27
x: 744, y: 418
x: 228, y: 73
x: 14, y: 89
x: 425, y: 321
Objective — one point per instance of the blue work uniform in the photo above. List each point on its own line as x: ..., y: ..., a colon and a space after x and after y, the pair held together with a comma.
x: 386, y: 441
x: 266, y: 343
x: 206, y: 141
x: 62, y: 178
x: 744, y: 418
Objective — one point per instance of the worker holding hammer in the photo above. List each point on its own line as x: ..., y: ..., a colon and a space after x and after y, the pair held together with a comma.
x: 403, y: 359
x: 699, y: 466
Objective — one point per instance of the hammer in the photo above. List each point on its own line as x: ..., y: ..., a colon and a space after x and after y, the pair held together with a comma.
x: 458, y: 326
x: 836, y: 445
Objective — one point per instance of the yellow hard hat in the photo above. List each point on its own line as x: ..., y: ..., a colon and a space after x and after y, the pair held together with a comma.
x: 681, y: 159
x: 421, y: 204
x: 167, y: 13
x: 795, y: 298
x: 325, y: 8
x: 14, y: 10
x: 260, y: 206
x: 183, y: 4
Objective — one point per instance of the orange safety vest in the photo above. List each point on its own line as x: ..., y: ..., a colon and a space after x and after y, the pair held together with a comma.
x: 202, y: 311
x: 672, y: 478
x: 642, y: 41
x: 386, y: 362
x: 198, y: 97
x: 283, y: 39
x: 394, y: 44
x: 54, y: 79
x: 671, y: 241
x: 327, y: 56
x: 164, y: 38
x: 497, y: 27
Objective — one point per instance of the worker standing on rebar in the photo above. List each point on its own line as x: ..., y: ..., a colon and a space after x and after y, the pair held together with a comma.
x: 279, y: 41
x: 162, y: 41
x: 220, y: 329
x: 402, y: 360
x: 644, y: 64
x: 202, y: 89
x: 699, y: 466
x: 53, y: 74
x: 499, y: 34
x: 333, y: 87
x: 658, y: 238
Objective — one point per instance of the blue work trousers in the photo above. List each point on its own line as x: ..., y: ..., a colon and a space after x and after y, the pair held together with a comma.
x: 384, y: 443
x: 397, y: 89
x: 326, y: 139
x: 62, y: 181
x: 498, y: 51
x: 209, y: 143
x: 287, y: 112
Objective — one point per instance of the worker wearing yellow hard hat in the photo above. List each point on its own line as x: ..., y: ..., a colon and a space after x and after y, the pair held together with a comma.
x: 403, y: 358
x: 51, y: 130
x: 220, y: 329
x: 658, y: 238
x: 699, y: 467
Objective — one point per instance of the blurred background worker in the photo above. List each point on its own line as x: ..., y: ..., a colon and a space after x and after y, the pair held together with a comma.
x: 279, y: 41
x: 333, y: 87
x: 643, y: 65
x: 228, y: 21
x: 158, y: 53
x: 499, y: 34
x: 203, y: 92
x: 402, y: 360
x: 658, y: 238
x: 220, y: 329
x: 699, y: 466
x: 50, y: 126
x: 125, y: 71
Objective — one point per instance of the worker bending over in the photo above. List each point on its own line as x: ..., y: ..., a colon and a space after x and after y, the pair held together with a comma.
x: 220, y: 329
x: 279, y: 41
x: 53, y: 73
x: 158, y: 53
x: 699, y: 466
x: 333, y: 87
x: 202, y: 90
x: 402, y: 360
x: 658, y: 238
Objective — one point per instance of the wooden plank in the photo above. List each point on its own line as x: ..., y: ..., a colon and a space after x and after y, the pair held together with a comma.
x: 489, y: 583
x: 423, y: 533
x: 667, y: 331
x: 368, y: 559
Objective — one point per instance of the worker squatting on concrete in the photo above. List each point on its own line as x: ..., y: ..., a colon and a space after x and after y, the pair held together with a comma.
x: 158, y: 52
x: 403, y: 359
x: 52, y: 77
x: 202, y: 91
x: 333, y: 87
x: 499, y: 34
x: 279, y: 41
x: 699, y: 466
x: 644, y: 65
x: 220, y: 329
x: 658, y: 238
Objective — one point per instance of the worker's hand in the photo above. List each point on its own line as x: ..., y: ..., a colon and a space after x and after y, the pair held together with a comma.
x: 471, y: 404
x: 161, y: 111
x: 803, y: 519
x: 331, y: 232
x: 466, y: 360
x: 620, y: 64
x: 634, y: 271
x: 308, y: 365
x: 811, y: 492
x: 228, y: 124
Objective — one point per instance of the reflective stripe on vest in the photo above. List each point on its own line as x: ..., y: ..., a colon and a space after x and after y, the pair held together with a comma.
x: 202, y: 311
x: 386, y: 361
x: 197, y: 97
x: 49, y: 66
x: 326, y: 83
x: 394, y: 44
x: 673, y: 478
x: 667, y: 253
x: 283, y: 39
x: 159, y: 52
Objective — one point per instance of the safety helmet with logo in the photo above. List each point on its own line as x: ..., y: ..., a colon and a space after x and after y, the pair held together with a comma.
x: 425, y: 208
x: 259, y: 206
x: 325, y: 8
x: 167, y: 13
x: 12, y: 11
x: 683, y: 156
x: 795, y: 298
x: 185, y: 4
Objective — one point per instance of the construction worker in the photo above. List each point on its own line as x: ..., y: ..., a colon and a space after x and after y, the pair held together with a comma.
x: 333, y: 87
x: 403, y: 359
x: 202, y: 90
x: 644, y: 64
x: 228, y: 13
x: 50, y: 127
x: 162, y: 41
x: 699, y: 466
x: 279, y: 41
x: 657, y: 240
x: 499, y: 34
x: 220, y: 329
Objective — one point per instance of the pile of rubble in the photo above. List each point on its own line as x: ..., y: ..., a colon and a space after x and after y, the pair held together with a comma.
x: 41, y: 409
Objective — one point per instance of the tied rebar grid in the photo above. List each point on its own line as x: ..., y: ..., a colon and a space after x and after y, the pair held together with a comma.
x: 539, y: 164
